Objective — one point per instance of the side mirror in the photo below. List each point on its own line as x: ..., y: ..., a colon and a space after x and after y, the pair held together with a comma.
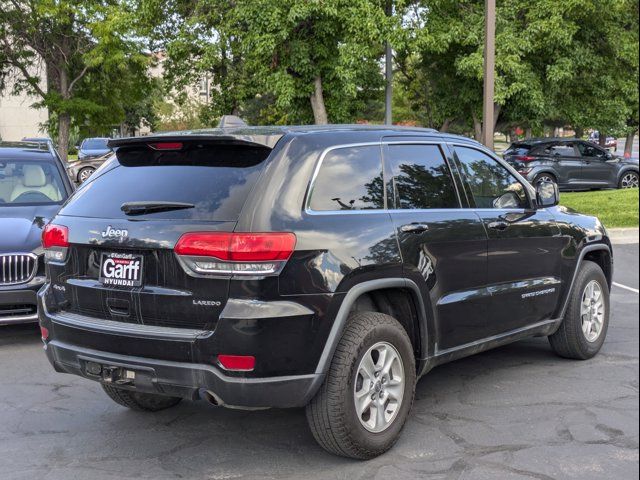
x: 547, y: 194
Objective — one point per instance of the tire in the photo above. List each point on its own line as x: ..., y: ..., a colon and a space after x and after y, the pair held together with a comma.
x: 628, y: 180
x: 544, y: 177
x: 85, y: 173
x: 142, y: 402
x: 570, y: 340
x: 332, y: 413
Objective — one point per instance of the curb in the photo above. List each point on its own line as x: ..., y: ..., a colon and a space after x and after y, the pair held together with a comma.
x: 623, y: 236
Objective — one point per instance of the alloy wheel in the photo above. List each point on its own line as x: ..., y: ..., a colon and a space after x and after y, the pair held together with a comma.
x: 379, y: 387
x: 629, y: 180
x: 592, y: 310
x: 85, y: 174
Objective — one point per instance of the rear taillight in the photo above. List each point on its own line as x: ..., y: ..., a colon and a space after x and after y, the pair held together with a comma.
x: 55, y: 240
x: 525, y: 158
x: 44, y: 333
x: 225, y: 253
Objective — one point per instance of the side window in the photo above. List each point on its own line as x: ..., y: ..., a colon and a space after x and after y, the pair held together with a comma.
x: 491, y: 185
x: 350, y: 178
x: 561, y: 150
x: 587, y: 150
x: 420, y: 178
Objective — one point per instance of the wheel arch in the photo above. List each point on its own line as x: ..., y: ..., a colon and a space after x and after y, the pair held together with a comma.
x: 599, y: 253
x: 398, y: 297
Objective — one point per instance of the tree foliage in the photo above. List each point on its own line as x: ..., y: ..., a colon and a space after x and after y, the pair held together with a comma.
x: 93, y: 69
x: 573, y: 62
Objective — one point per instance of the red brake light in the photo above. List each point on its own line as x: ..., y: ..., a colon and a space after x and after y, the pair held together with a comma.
x: 240, y: 363
x: 166, y: 145
x: 55, y: 236
x: 237, y: 247
x: 226, y: 253
x: 525, y: 158
x: 44, y: 333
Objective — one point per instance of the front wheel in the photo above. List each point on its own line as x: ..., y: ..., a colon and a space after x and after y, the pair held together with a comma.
x: 584, y: 327
x: 628, y: 180
x: 366, y: 397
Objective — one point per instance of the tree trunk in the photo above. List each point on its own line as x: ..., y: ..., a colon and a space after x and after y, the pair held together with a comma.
x: 628, y: 144
x: 64, y: 127
x: 317, y: 103
x: 477, y: 128
x: 602, y: 140
x: 579, y: 132
x: 527, y: 133
x: 445, y: 125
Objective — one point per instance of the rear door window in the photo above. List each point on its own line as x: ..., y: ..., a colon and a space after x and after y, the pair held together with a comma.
x: 561, y: 150
x: 420, y: 178
x: 216, y: 180
x: 350, y: 178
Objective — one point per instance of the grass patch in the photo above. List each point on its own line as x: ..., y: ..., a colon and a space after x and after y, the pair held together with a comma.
x: 614, y: 208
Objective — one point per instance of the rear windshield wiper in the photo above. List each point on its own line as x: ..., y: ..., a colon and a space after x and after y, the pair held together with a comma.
x: 140, y: 208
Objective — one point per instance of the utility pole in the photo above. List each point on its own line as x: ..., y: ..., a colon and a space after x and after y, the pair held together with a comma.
x: 489, y: 72
x: 388, y: 74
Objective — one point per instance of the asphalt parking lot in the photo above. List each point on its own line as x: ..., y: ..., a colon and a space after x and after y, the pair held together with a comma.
x: 517, y: 412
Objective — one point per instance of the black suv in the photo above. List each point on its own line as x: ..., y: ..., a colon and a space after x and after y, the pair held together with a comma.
x: 571, y: 163
x: 326, y: 267
x: 33, y: 186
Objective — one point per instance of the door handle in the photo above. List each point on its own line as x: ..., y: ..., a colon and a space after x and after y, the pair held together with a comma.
x: 414, y: 228
x: 499, y: 225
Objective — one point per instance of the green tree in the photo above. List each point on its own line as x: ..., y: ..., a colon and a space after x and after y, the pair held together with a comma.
x: 317, y: 60
x: 91, y: 65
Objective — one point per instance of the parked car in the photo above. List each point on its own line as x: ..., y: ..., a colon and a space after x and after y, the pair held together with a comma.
x: 572, y: 164
x: 32, y: 188
x: 80, y: 170
x: 89, y: 150
x: 325, y: 266
x: 609, y: 143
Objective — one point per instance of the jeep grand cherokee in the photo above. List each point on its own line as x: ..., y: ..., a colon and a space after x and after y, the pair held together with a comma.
x: 326, y: 267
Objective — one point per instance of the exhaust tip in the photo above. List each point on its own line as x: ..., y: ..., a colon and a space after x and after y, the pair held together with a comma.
x: 212, y: 398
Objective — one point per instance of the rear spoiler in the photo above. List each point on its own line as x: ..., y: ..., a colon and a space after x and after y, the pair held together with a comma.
x: 260, y: 141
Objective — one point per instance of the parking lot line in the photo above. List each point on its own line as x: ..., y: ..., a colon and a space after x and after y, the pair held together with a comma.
x: 631, y: 289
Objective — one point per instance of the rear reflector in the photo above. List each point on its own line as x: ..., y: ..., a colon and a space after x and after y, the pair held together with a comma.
x: 44, y: 333
x: 525, y: 158
x: 238, y: 363
x: 55, y: 240
x: 235, y: 253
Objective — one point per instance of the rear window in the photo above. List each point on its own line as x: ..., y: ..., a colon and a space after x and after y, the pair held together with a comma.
x: 517, y: 149
x: 215, y: 179
x: 95, y: 144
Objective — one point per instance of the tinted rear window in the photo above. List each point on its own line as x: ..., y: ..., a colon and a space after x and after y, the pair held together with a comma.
x: 215, y: 179
x: 95, y: 144
x: 517, y: 149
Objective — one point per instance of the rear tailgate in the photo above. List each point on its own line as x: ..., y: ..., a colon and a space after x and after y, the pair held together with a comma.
x: 121, y: 266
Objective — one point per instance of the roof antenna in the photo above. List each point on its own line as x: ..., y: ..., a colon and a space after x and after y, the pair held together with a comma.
x: 231, y: 121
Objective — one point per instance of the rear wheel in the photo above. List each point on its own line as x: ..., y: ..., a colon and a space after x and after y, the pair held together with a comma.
x: 366, y: 397
x: 544, y: 177
x: 628, y: 180
x: 85, y: 173
x: 584, y: 327
x: 147, y: 402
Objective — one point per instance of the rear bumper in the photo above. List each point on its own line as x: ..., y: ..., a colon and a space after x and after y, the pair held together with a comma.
x: 188, y: 380
x: 19, y: 304
x: 170, y: 361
